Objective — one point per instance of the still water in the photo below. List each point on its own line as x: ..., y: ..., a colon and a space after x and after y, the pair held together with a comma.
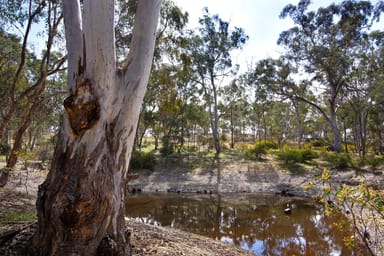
x: 254, y: 222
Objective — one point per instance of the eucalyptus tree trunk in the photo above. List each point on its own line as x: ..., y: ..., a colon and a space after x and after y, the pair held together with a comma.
x: 299, y: 122
x: 215, y: 118
x: 80, y: 205
x: 333, y: 121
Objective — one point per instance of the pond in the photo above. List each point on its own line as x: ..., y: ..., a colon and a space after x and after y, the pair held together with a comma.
x: 255, y: 222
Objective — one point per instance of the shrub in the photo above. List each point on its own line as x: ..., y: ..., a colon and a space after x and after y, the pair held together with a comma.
x: 243, y: 147
x: 167, y: 148
x: 318, y: 143
x: 373, y: 161
x: 308, y: 154
x: 143, y: 160
x: 339, y: 160
x: 297, y: 155
x: 357, y: 201
x: 290, y: 156
x: 268, y: 144
x: 260, y: 148
x: 4, y: 148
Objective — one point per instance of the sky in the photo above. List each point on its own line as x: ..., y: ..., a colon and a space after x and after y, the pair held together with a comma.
x: 259, y: 19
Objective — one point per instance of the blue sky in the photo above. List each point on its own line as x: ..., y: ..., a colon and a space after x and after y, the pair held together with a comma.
x: 259, y: 18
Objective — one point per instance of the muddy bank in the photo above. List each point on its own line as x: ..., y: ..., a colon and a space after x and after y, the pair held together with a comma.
x: 229, y: 175
x: 238, y: 176
x: 241, y: 176
x: 19, y: 195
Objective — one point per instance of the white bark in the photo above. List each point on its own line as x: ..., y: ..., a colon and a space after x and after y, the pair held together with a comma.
x: 74, y: 39
x: 91, y: 159
x: 100, y: 50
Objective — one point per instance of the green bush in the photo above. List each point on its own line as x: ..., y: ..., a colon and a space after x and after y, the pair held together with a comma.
x: 297, y: 155
x: 167, y: 147
x: 4, y: 148
x: 308, y: 154
x: 318, y: 143
x: 143, y: 160
x: 260, y: 148
x: 339, y: 160
x: 373, y: 161
x: 269, y: 144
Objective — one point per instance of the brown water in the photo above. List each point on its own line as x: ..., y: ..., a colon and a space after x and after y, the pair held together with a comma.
x: 256, y: 223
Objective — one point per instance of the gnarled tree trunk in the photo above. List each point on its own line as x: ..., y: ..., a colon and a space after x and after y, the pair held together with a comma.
x: 81, y: 203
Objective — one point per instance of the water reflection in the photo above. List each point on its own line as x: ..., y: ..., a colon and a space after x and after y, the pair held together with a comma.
x: 256, y: 223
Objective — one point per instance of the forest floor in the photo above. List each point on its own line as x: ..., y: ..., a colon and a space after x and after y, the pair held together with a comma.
x: 17, y: 199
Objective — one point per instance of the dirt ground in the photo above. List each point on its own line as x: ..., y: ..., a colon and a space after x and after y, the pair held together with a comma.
x: 19, y: 195
x: 244, y: 176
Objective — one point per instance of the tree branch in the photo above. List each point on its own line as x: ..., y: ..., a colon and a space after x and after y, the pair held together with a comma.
x: 313, y: 105
x: 74, y: 39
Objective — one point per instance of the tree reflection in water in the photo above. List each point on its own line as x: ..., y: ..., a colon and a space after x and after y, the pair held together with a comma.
x: 256, y: 223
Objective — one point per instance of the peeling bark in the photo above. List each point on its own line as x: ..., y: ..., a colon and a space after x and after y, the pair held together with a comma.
x: 80, y: 205
x: 82, y: 107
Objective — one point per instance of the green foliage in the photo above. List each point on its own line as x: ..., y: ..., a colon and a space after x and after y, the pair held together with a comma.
x: 364, y: 206
x: 143, y: 160
x: 308, y: 154
x: 167, y: 147
x: 269, y: 144
x: 16, y: 216
x: 4, y: 148
x: 318, y: 143
x: 372, y: 161
x: 297, y: 155
x: 339, y: 160
x: 260, y: 148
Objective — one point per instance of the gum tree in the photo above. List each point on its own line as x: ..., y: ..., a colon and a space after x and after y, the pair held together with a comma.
x: 211, y: 62
x: 323, y: 43
x: 24, y: 75
x: 80, y: 205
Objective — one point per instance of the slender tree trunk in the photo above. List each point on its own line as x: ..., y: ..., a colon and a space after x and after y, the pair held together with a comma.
x: 333, y: 116
x: 5, y: 120
x: 299, y: 123
x: 215, y: 128
x: 25, y: 123
x: 18, y: 138
x: 265, y: 127
x: 345, y: 136
x: 362, y: 131
x: 232, y: 129
x: 331, y: 119
x: 80, y: 205
x: 380, y: 141
x: 335, y: 130
x: 213, y: 115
